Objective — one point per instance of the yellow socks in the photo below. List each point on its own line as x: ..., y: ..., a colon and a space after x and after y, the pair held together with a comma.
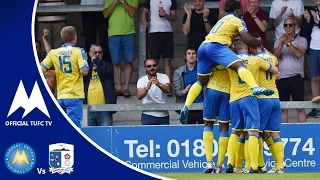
x: 261, y: 158
x: 240, y: 153
x: 253, y: 148
x: 223, y: 145
x: 208, y: 142
x: 246, y: 154
x: 279, y: 149
x: 232, y: 148
x: 270, y: 143
x: 247, y: 77
x: 194, y: 92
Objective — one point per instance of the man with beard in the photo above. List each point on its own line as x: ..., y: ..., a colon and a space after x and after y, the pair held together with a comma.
x: 153, y: 88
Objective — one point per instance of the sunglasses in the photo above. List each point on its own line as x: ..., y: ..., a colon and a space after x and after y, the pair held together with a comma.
x: 98, y: 52
x: 288, y: 25
x: 153, y: 65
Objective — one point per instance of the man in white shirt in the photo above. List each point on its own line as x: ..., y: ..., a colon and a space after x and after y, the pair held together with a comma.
x: 153, y: 89
x: 280, y: 10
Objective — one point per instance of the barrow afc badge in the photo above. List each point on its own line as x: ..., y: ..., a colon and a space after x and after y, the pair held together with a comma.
x: 61, y: 158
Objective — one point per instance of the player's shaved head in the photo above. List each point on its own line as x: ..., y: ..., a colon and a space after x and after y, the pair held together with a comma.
x: 68, y: 34
x: 240, y: 46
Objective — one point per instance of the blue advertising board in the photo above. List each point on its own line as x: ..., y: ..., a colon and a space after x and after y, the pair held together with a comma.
x: 180, y: 148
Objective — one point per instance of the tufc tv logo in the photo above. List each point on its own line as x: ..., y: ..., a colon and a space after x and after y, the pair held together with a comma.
x: 35, y: 100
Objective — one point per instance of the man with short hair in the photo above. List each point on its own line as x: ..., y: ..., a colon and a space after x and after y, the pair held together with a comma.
x: 70, y: 64
x: 290, y: 49
x: 99, y: 87
x: 153, y: 89
x: 197, y: 23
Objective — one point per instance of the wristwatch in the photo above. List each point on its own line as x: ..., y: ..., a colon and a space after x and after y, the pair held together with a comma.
x: 289, y: 44
x: 255, y: 16
x: 205, y: 21
x: 160, y: 85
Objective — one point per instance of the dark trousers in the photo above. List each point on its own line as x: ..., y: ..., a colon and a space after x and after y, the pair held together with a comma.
x: 94, y: 22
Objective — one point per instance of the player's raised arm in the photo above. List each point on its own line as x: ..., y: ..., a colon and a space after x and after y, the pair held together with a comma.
x: 251, y: 41
x: 83, y: 64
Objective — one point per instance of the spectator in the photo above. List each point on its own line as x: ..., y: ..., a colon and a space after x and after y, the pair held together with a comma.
x: 184, y: 77
x: 197, y: 23
x: 222, y: 13
x: 290, y: 49
x: 94, y: 22
x: 152, y: 88
x: 312, y: 33
x: 99, y: 87
x: 121, y: 32
x: 280, y: 10
x: 257, y: 20
x: 160, y: 30
x: 54, y: 22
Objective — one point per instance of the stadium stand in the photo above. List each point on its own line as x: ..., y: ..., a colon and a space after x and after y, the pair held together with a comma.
x: 180, y: 41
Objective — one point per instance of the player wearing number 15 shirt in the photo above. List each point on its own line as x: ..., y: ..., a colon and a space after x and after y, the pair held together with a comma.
x: 70, y: 64
x: 215, y: 51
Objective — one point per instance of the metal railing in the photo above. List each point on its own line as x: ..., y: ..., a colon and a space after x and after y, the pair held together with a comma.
x: 178, y: 106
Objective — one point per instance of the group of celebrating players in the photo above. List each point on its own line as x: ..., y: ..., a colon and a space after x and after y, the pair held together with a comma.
x: 239, y: 75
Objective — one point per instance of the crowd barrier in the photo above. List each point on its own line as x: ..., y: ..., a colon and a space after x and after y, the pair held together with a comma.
x: 180, y: 148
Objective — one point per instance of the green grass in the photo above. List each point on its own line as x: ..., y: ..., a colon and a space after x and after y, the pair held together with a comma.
x: 201, y: 176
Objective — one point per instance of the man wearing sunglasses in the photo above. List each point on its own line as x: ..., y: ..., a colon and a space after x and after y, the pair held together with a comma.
x: 153, y: 89
x: 290, y: 49
x: 99, y: 87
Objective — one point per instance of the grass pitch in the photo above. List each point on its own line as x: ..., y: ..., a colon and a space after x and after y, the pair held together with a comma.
x: 202, y: 176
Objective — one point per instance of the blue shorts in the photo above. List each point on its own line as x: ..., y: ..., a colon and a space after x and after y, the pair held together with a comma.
x: 213, y: 54
x: 270, y: 114
x: 122, y: 47
x: 216, y: 105
x: 73, y: 109
x: 245, y: 114
x: 314, y: 62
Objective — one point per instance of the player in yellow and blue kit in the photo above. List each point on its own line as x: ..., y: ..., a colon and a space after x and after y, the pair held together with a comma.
x: 270, y: 112
x: 244, y: 106
x: 70, y: 64
x: 215, y: 51
x: 216, y: 107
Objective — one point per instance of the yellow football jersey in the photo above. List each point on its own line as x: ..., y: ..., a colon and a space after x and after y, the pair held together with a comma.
x: 95, y: 90
x: 239, y: 89
x: 67, y: 61
x: 219, y: 80
x: 226, y: 29
x: 267, y: 79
